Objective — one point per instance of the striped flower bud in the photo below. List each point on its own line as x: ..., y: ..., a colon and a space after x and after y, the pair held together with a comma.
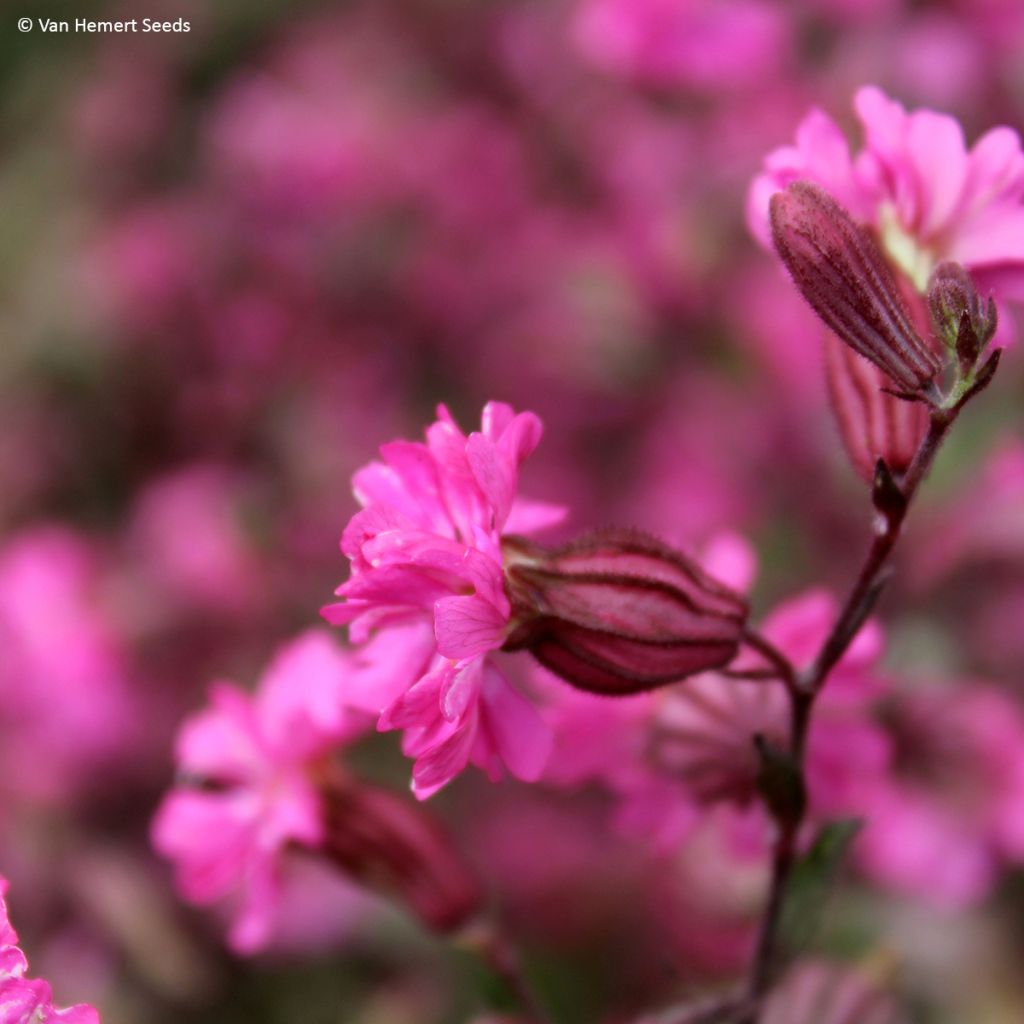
x: 619, y: 612
x: 388, y: 843
x: 872, y: 422
x: 841, y: 272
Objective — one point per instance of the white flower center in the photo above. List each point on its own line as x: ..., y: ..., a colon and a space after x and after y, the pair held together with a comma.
x: 904, y: 249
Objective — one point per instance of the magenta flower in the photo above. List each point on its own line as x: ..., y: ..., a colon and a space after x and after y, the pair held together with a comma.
x: 64, y: 675
x: 24, y: 1000
x: 427, y: 577
x: 255, y: 759
x: 260, y: 784
x: 917, y: 185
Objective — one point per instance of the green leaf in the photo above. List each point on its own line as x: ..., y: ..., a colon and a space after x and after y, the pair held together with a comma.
x: 811, y: 882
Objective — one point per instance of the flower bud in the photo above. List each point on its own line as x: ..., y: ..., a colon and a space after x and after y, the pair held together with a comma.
x: 960, y: 318
x: 841, y: 272
x: 619, y: 612
x: 388, y: 843
x: 873, y: 423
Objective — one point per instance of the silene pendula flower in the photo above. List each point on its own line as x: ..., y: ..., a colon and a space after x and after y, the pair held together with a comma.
x: 924, y: 198
x: 427, y: 584
x: 24, y: 1000
x: 703, y: 732
x: 916, y: 186
x: 260, y: 786
x: 444, y: 578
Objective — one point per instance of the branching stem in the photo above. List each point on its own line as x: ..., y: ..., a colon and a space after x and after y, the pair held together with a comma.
x: 804, y: 687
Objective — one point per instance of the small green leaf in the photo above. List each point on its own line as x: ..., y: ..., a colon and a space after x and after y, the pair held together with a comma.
x: 812, y: 879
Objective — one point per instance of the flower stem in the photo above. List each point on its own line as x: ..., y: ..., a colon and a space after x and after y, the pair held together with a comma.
x: 804, y: 687
x: 502, y: 958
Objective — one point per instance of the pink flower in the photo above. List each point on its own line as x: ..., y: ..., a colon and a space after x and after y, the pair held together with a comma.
x: 259, y: 785
x: 255, y: 757
x: 25, y: 1001
x: 64, y: 681
x: 190, y: 539
x: 916, y: 184
x: 427, y: 578
x: 950, y: 814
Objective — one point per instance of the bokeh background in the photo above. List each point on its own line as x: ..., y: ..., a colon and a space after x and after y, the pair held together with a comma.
x: 235, y: 260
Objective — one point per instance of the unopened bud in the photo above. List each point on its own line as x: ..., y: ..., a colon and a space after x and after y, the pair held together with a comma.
x: 619, y: 612
x: 963, y: 322
x: 873, y: 423
x: 780, y: 782
x: 390, y: 844
x: 840, y: 271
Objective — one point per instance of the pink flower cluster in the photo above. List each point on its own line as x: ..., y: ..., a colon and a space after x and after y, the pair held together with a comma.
x: 64, y: 681
x: 24, y: 1000
x: 427, y: 584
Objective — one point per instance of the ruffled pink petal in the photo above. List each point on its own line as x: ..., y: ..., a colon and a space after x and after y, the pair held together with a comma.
x: 460, y: 688
x: 521, y: 436
x: 420, y: 705
x: 937, y: 153
x: 223, y: 741
x: 466, y: 627
x: 389, y: 664
x: 301, y: 703
x: 994, y: 236
x: 528, y: 516
x: 439, y: 765
x: 521, y: 737
x: 995, y: 170
x: 495, y: 475
x: 252, y: 926
x: 208, y: 836
x: 496, y: 418
x: 370, y: 523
